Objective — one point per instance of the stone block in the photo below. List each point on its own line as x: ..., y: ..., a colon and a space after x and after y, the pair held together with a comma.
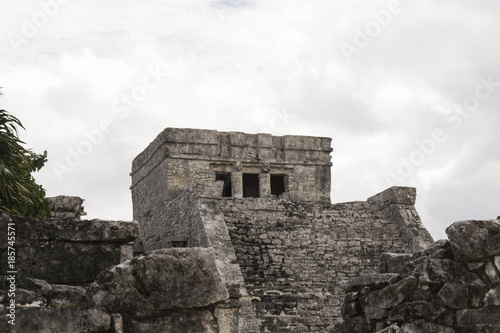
x: 474, y: 240
x: 472, y: 317
x: 376, y: 303
x: 425, y: 327
x: 475, y: 265
x: 492, y: 297
x: 66, y: 251
x: 66, y: 207
x: 66, y: 262
x: 443, y: 271
x: 407, y: 312
x: 121, y: 232
x: 395, y: 263
x: 181, y: 322
x: 454, y: 296
x: 375, y: 281
x: 486, y: 328
x: 394, y: 328
x: 357, y: 324
x: 161, y: 280
x: 56, y: 319
x: 491, y: 273
x: 395, y: 195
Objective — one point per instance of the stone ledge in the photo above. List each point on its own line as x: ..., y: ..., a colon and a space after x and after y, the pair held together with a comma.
x: 395, y: 195
x: 71, y: 230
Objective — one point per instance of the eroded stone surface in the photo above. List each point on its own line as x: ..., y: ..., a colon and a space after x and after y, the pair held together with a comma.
x: 161, y: 280
x: 467, y: 239
x: 425, y: 327
x: 454, y: 295
x: 448, y: 295
x: 56, y: 319
x: 377, y: 280
x: 65, y: 251
x: 64, y: 206
x: 177, y: 322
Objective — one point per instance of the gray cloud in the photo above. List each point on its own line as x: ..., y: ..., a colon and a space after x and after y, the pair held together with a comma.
x: 263, y: 66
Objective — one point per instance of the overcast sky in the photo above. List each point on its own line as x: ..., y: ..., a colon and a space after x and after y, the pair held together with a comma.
x: 408, y: 90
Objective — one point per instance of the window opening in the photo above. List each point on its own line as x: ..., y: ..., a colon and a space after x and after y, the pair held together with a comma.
x: 226, y: 189
x: 250, y: 185
x: 277, y: 184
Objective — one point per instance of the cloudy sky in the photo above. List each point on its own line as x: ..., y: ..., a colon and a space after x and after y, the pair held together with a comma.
x: 408, y: 90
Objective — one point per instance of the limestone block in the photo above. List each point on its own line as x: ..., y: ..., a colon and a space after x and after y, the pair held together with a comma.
x: 227, y: 319
x: 471, y: 317
x: 407, y: 312
x: 117, y: 323
x: 454, y: 295
x: 78, y: 231
x: 196, y: 321
x: 375, y: 281
x: 66, y: 251
x: 357, y: 324
x: 394, y: 328
x: 474, y: 240
x: 66, y: 206
x: 65, y: 295
x: 161, y: 280
x: 444, y: 270
x: 492, y: 297
x: 395, y: 263
x: 395, y: 195
x: 66, y: 262
x: 475, y: 265
x: 375, y: 303
x: 486, y: 328
x: 492, y: 273
x: 56, y: 319
x: 425, y: 327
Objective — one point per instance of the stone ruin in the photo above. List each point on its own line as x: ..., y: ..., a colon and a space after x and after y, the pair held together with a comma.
x: 235, y: 233
x: 263, y: 203
x: 66, y: 207
x: 451, y: 287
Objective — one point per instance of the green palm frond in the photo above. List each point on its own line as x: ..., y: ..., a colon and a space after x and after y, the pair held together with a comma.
x: 19, y: 193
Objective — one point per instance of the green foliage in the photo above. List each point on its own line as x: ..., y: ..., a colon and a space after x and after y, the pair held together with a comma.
x: 19, y: 193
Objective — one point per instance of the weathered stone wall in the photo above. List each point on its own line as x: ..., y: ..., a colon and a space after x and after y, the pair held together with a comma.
x: 179, y: 157
x: 176, y: 221
x: 85, y: 280
x: 451, y: 287
x: 289, y: 257
x: 288, y: 253
x: 170, y: 290
x: 293, y: 256
x: 67, y: 251
x: 193, y: 218
x: 64, y: 206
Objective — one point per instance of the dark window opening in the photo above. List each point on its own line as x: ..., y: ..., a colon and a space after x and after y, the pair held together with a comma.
x: 250, y: 185
x: 226, y: 189
x: 277, y: 184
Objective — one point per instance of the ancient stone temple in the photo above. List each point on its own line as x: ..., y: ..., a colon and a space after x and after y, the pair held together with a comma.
x: 236, y: 233
x: 262, y: 202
